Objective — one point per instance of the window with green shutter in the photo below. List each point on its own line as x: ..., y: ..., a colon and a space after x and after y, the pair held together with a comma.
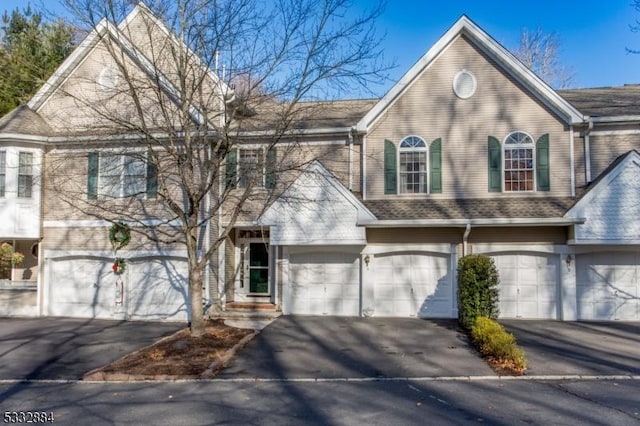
x: 231, y: 168
x: 435, y: 164
x: 495, y: 160
x: 542, y: 163
x: 390, y: 168
x: 152, y: 177
x: 270, y: 178
x: 92, y: 176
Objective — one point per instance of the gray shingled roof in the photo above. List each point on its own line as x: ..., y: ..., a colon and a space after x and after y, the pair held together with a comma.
x: 24, y: 121
x: 470, y: 208
x: 605, y: 101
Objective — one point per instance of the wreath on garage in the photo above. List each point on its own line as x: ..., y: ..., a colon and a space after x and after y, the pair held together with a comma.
x: 119, y: 236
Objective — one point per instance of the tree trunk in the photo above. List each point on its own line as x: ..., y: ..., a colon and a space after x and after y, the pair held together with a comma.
x: 195, y: 299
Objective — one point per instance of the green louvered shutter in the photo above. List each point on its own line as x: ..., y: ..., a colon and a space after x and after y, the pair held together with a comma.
x: 435, y: 163
x: 231, y: 168
x: 542, y: 163
x: 270, y: 176
x: 495, y: 160
x: 92, y: 176
x: 390, y: 169
x: 152, y: 177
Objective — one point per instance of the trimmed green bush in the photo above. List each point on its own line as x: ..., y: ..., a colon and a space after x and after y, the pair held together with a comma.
x: 493, y: 341
x: 477, y: 289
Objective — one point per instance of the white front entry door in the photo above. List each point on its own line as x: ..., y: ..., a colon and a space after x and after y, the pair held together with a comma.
x: 254, y: 279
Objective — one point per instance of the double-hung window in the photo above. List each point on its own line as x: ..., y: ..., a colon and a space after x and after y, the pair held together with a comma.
x: 25, y: 174
x: 3, y: 172
x: 413, y: 165
x: 120, y: 176
x: 255, y: 166
x: 250, y: 167
x: 519, y: 164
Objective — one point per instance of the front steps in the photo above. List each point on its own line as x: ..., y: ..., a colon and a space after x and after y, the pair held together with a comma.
x: 248, y: 310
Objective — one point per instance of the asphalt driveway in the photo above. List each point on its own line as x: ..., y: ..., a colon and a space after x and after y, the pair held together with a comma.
x: 64, y: 348
x: 333, y: 347
x: 578, y: 348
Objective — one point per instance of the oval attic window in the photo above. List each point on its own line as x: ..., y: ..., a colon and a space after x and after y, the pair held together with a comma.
x: 108, y: 78
x: 464, y: 84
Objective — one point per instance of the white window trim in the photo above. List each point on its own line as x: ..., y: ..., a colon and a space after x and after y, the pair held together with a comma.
x: 427, y: 171
x: 32, y: 174
x: 533, y: 156
x: 121, y: 155
x: 264, y: 164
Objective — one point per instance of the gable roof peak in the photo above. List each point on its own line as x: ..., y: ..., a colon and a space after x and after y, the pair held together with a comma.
x: 489, y: 46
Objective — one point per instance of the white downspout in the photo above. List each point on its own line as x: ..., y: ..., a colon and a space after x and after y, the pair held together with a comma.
x: 465, y: 239
x: 364, y: 167
x: 350, y: 136
x: 572, y: 161
x: 587, y: 151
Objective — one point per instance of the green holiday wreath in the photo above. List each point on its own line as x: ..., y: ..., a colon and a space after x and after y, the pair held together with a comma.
x: 119, y: 235
x: 118, y: 266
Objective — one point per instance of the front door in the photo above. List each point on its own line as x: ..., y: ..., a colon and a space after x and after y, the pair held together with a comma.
x: 257, y: 268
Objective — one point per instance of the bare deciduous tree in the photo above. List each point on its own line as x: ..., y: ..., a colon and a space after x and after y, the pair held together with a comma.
x: 162, y: 112
x: 539, y: 51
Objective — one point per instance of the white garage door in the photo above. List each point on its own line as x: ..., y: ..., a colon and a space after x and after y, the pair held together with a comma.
x: 608, y: 286
x: 323, y: 284
x: 528, y: 285
x: 157, y: 290
x: 83, y: 288
x: 153, y: 289
x: 409, y: 285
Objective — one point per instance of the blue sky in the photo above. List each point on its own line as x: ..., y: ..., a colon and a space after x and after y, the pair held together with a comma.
x: 593, y: 33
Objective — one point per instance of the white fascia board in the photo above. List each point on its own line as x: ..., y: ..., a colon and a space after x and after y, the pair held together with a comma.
x: 580, y: 242
x: 54, y: 255
x: 105, y: 223
x: 585, y: 201
x: 326, y: 242
x: 69, y: 64
x: 293, y: 132
x: 465, y: 26
x: 462, y: 223
x: 616, y: 119
x: 16, y: 137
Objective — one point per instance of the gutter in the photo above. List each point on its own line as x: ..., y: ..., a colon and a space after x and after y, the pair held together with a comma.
x: 463, y: 223
x: 616, y: 119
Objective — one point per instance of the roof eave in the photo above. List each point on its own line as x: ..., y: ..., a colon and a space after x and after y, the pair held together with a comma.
x: 476, y: 223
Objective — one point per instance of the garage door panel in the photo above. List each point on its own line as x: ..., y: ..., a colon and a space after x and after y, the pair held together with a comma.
x: 608, y: 285
x: 528, y: 285
x: 417, y: 285
x: 157, y: 290
x: 83, y: 288
x: 331, y: 283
